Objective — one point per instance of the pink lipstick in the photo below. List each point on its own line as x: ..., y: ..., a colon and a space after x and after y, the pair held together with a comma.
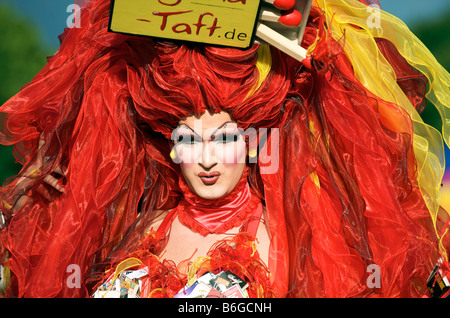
x: 209, y: 178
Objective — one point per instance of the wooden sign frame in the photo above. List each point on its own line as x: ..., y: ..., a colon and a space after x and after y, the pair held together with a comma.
x: 286, y: 39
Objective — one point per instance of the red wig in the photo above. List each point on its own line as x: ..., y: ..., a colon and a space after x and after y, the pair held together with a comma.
x: 342, y: 199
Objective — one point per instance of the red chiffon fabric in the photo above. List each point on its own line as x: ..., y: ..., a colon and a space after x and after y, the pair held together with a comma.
x: 343, y: 196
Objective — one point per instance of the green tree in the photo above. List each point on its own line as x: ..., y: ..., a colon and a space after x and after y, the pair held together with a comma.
x: 435, y: 34
x: 22, y: 55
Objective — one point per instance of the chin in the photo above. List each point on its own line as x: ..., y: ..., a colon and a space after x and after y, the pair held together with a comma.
x: 210, y: 193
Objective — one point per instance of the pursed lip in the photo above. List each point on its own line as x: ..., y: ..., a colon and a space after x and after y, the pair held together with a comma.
x: 210, y: 174
x: 209, y: 178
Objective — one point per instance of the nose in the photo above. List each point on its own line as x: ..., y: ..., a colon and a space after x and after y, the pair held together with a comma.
x: 208, y: 160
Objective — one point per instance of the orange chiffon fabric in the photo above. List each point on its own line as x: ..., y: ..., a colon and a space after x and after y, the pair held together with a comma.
x: 344, y: 195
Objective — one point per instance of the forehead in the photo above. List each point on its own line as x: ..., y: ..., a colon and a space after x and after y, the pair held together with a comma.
x: 206, y: 120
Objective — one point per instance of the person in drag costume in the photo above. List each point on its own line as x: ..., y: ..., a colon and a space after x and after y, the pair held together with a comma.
x: 103, y: 189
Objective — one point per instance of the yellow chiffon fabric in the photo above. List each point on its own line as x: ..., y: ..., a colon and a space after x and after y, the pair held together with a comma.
x: 377, y: 75
x: 263, y: 65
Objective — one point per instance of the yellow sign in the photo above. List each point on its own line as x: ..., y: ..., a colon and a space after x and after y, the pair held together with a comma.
x: 222, y: 22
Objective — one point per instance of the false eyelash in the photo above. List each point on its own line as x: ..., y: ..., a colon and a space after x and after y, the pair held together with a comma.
x: 233, y: 137
x: 186, y: 138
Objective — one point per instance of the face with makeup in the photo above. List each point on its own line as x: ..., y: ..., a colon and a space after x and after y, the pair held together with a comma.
x: 211, y: 151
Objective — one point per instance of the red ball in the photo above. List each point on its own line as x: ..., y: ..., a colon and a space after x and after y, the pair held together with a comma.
x: 284, y: 4
x: 307, y: 63
x: 290, y: 18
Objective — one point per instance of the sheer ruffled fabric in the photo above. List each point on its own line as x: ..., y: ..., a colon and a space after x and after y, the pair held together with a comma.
x: 357, y: 176
x: 80, y: 104
x: 394, y: 81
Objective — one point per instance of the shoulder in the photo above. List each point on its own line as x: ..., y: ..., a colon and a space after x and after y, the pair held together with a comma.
x: 154, y: 220
x: 264, y: 224
x: 160, y: 216
x: 263, y: 238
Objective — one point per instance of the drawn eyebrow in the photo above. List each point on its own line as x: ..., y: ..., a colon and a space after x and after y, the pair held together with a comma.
x: 227, y: 122
x: 189, y: 129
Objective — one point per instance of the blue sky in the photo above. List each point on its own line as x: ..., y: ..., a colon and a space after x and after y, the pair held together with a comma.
x: 50, y: 16
x: 415, y: 11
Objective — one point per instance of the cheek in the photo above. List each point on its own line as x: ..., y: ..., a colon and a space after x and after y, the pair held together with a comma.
x: 186, y: 166
x: 188, y: 172
x: 187, y: 155
x: 231, y: 176
x: 231, y: 154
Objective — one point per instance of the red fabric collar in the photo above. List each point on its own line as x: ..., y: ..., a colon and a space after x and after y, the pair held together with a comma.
x: 217, y: 216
